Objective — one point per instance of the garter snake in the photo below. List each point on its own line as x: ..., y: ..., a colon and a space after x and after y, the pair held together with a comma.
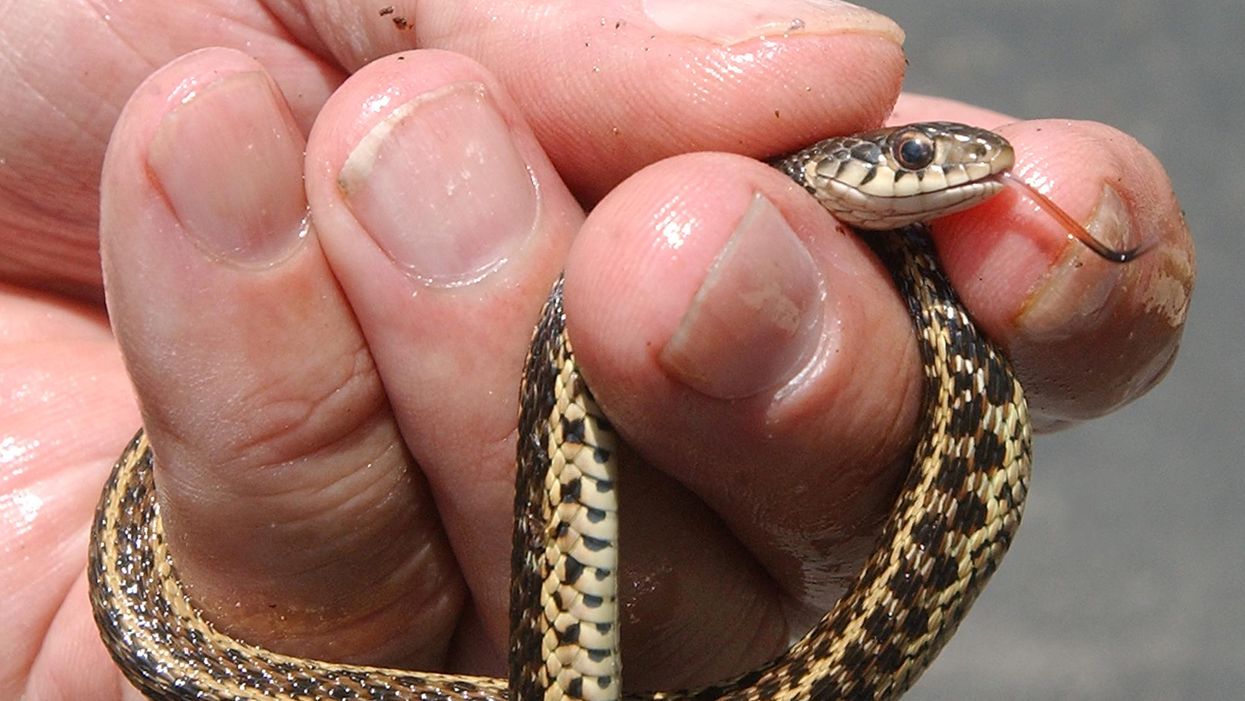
x: 952, y: 522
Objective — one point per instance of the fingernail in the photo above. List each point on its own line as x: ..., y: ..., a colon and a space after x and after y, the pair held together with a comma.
x: 1077, y: 290
x: 757, y: 318
x: 241, y: 196
x: 440, y: 186
x: 732, y: 21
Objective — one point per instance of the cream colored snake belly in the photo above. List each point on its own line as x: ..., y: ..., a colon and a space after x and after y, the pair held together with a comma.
x: 950, y: 526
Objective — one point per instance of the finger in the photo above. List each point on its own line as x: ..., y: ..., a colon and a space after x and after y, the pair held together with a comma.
x: 913, y: 107
x: 58, y: 113
x: 446, y: 225
x: 757, y: 355
x: 1086, y: 335
x: 610, y: 87
x: 261, y: 398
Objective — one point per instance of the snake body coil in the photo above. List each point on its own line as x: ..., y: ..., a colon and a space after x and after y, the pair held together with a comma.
x: 952, y: 523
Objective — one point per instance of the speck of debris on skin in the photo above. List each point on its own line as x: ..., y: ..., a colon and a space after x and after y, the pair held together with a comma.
x: 386, y: 10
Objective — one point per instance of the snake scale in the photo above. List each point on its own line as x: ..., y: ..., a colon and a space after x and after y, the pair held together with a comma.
x: 950, y: 526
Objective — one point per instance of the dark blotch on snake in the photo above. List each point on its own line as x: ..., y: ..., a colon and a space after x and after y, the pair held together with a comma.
x: 596, y: 545
x: 573, y: 569
x: 573, y: 430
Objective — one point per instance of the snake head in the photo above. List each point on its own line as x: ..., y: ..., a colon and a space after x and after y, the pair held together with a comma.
x: 896, y: 176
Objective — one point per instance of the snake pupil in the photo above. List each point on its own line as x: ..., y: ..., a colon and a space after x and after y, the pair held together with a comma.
x: 913, y: 150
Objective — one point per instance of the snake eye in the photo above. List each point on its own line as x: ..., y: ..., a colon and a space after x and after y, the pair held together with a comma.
x: 912, y: 150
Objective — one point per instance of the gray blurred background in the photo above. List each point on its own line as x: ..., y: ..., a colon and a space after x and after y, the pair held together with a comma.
x: 1128, y: 578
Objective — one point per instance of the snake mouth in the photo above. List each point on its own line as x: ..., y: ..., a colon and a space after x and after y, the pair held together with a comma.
x: 874, y: 212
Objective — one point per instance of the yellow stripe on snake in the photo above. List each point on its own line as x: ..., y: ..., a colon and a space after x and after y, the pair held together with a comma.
x: 948, y: 531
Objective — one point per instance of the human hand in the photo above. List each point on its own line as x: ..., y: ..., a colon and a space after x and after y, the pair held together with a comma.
x: 325, y: 396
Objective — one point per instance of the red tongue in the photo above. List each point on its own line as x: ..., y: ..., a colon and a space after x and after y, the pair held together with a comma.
x: 1073, y: 227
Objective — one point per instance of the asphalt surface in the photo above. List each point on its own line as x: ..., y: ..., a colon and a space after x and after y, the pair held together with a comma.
x: 1127, y: 580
